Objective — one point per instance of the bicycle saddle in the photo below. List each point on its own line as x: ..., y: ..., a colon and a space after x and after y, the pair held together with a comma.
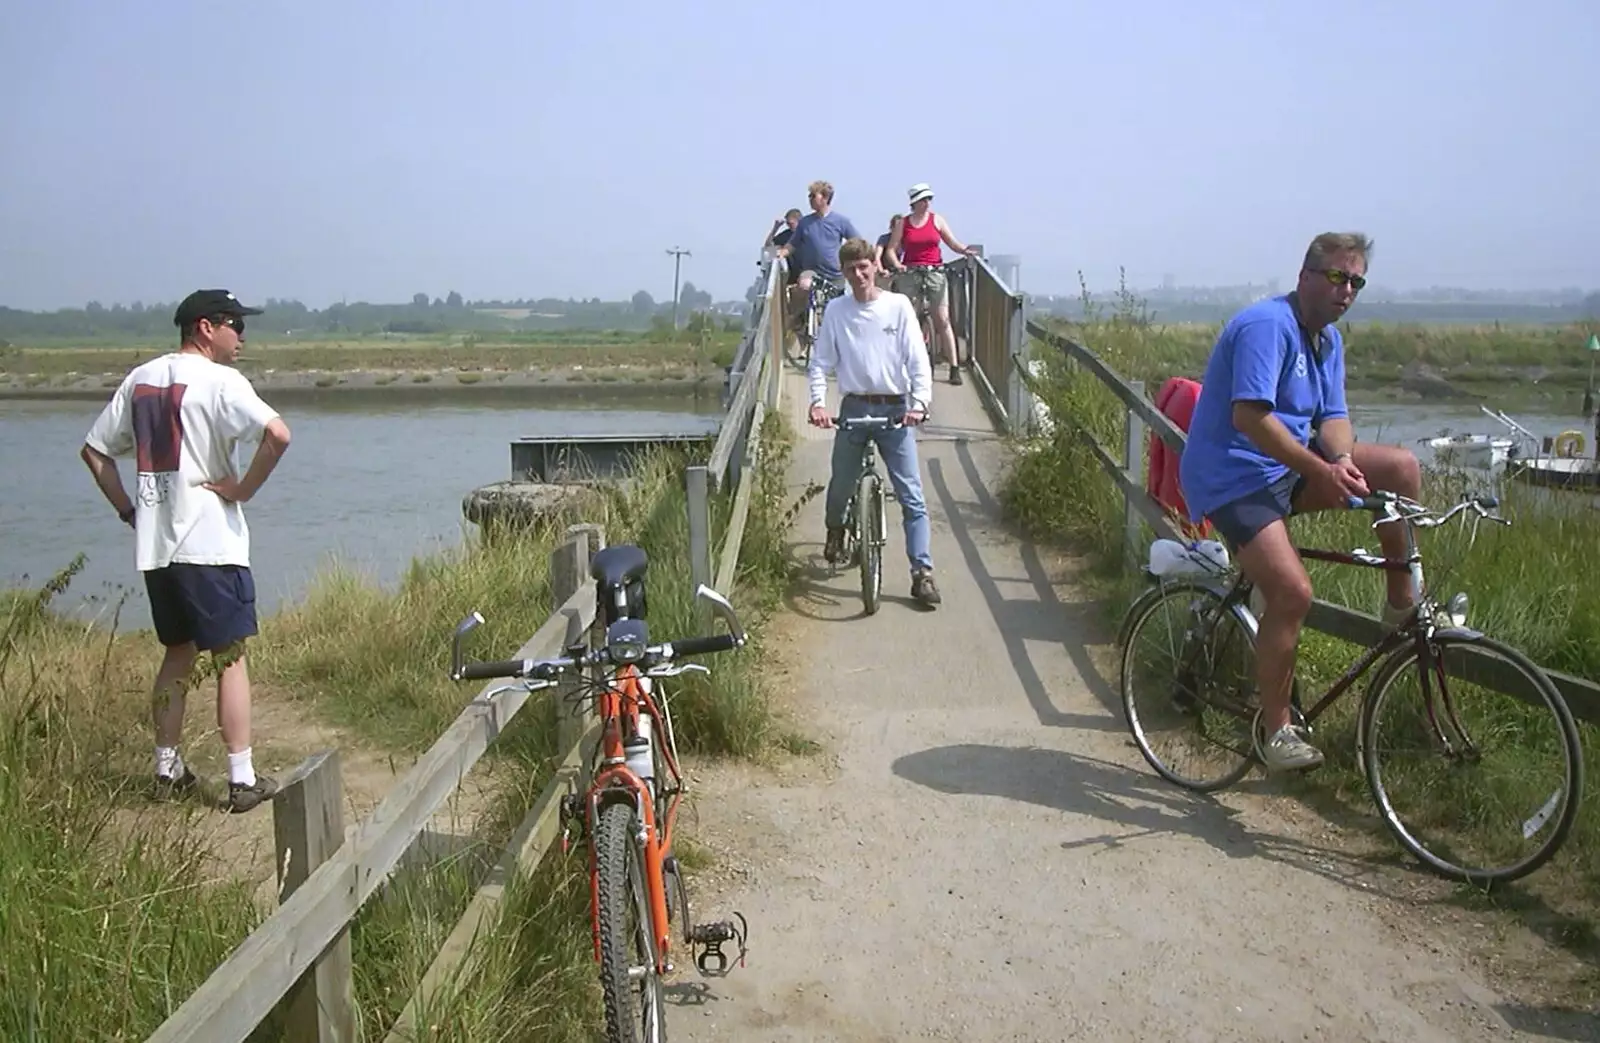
x: 618, y: 565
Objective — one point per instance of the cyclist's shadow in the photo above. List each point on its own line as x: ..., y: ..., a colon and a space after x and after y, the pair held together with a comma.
x: 832, y: 593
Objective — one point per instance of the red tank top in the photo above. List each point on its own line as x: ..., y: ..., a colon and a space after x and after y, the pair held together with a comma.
x: 920, y: 246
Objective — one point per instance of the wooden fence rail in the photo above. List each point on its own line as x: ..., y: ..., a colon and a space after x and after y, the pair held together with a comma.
x: 296, y: 966
x: 1582, y: 695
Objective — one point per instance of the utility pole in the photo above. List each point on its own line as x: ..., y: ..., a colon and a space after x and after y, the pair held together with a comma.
x: 677, y: 263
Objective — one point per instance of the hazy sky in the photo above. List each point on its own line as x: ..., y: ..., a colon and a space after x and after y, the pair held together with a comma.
x: 513, y: 149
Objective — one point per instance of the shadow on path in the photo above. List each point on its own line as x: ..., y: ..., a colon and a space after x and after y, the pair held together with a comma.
x: 1144, y: 805
x: 1045, y: 617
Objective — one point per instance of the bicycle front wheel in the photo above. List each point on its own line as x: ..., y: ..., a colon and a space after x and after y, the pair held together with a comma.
x: 869, y: 539
x: 628, y: 978
x: 1189, y: 685
x: 1478, y: 785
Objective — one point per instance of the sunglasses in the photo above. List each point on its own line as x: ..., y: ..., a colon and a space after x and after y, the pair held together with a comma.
x: 1338, y: 277
x: 235, y: 322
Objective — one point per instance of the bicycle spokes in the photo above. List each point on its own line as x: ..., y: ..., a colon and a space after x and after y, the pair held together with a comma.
x: 1479, y: 785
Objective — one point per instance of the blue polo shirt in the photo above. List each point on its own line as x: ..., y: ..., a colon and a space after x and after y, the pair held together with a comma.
x: 816, y: 243
x: 1264, y: 355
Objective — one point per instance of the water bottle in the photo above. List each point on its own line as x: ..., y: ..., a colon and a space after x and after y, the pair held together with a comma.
x: 638, y: 753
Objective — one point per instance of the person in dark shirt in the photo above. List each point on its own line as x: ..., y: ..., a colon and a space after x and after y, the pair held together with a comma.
x: 780, y: 234
x: 888, y: 262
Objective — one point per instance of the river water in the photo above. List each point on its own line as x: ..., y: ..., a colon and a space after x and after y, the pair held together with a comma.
x: 371, y: 480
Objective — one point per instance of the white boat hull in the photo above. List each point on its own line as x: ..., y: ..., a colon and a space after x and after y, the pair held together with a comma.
x: 1482, y: 452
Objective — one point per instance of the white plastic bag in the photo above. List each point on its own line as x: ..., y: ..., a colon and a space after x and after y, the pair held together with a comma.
x: 1197, y: 558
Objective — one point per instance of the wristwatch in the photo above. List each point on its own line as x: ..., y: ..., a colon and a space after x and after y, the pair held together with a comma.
x: 1344, y: 456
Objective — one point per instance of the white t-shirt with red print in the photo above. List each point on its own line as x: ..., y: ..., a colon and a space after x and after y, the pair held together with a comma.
x: 181, y: 416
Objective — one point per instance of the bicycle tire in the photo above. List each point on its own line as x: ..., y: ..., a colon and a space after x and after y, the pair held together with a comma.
x: 1570, y: 793
x: 632, y: 1015
x: 1140, y: 615
x: 870, y: 518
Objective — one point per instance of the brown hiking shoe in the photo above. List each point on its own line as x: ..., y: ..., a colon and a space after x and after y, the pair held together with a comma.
x: 923, y: 587
x: 833, y: 548
x: 243, y: 798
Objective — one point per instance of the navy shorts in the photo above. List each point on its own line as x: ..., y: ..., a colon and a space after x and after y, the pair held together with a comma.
x: 1239, y: 520
x: 212, y: 605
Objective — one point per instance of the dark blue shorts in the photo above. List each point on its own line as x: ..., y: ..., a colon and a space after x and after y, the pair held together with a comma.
x: 1239, y: 520
x: 211, y: 605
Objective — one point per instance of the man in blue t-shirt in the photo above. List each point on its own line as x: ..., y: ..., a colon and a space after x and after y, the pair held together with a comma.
x: 813, y: 248
x: 1271, y: 432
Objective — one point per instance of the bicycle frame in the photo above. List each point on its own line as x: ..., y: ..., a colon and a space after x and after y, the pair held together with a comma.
x: 620, y: 704
x: 1414, y: 631
x: 869, y: 466
x: 822, y: 291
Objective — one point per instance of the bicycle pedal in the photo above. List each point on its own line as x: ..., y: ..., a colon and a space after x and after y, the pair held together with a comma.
x: 713, y: 936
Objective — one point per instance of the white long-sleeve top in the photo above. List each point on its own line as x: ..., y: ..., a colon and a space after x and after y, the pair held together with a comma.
x: 874, y: 348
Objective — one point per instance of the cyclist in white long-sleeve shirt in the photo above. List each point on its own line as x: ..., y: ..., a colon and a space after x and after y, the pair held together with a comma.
x: 871, y: 340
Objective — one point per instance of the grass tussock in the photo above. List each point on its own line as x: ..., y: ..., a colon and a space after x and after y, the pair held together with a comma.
x: 1529, y: 583
x: 108, y: 921
x: 101, y: 924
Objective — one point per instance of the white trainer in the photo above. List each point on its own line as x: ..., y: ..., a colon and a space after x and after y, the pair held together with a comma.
x: 1288, y: 750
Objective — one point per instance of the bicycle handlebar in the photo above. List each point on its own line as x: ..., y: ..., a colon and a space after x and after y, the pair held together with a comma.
x: 869, y: 422
x: 1393, y: 507
x: 549, y: 670
x: 623, y: 648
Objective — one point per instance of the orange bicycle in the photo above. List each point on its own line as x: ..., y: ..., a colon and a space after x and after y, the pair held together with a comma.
x: 628, y: 808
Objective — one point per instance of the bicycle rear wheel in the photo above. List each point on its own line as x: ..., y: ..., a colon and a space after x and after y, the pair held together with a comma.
x: 869, y: 539
x: 628, y: 979
x: 1478, y: 785
x: 1189, y: 685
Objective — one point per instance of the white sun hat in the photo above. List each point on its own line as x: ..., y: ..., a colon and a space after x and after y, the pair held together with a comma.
x: 920, y: 191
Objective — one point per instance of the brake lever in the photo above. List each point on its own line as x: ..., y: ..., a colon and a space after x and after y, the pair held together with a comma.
x: 674, y: 669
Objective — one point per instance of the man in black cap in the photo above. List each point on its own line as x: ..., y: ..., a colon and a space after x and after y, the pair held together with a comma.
x: 181, y: 416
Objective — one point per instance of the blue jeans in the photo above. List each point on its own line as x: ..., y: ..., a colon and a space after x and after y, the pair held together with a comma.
x: 897, y: 447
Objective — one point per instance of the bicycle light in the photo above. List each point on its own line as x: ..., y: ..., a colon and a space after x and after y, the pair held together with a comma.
x: 627, y: 639
x: 1455, y: 610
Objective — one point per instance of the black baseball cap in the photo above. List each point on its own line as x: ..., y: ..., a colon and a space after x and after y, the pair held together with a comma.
x: 202, y: 304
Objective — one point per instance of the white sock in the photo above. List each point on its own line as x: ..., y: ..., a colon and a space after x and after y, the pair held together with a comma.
x: 240, y: 769
x: 168, y: 764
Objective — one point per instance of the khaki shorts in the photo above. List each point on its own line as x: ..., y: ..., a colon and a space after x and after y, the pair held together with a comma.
x: 925, y: 286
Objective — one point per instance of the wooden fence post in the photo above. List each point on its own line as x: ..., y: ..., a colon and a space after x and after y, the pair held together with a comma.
x: 1133, y: 467
x: 569, y: 570
x: 308, y: 827
x: 696, y: 483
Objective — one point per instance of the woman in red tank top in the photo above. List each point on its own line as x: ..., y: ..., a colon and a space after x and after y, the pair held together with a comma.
x: 917, y: 240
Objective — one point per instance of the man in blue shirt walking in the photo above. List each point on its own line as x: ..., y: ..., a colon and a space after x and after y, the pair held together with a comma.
x: 813, y: 248
x: 1271, y: 432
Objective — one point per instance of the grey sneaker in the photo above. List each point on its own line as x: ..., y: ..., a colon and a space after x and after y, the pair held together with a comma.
x: 245, y: 798
x: 1289, y: 751
x: 1393, y: 617
x: 923, y: 588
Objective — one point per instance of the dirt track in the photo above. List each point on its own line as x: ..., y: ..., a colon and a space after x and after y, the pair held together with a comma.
x: 981, y: 855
